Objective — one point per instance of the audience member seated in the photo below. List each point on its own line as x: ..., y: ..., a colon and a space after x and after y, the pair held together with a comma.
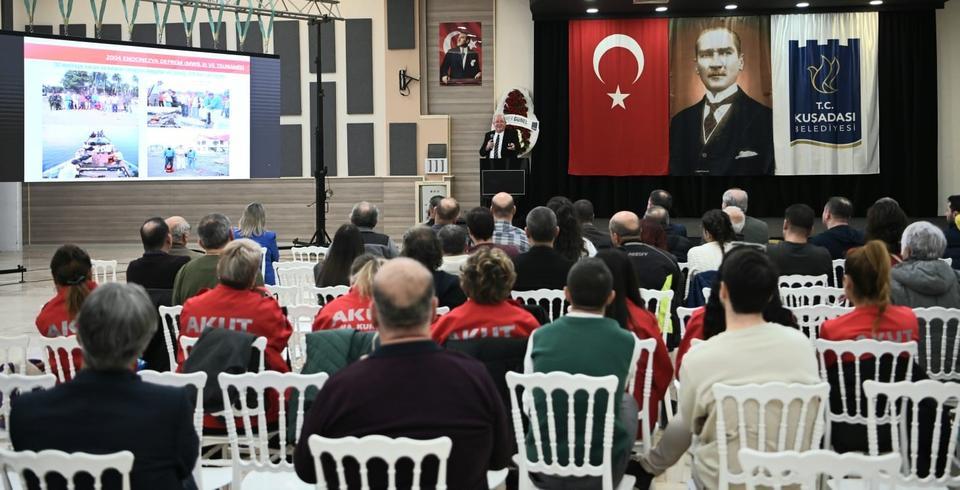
x: 432, y: 210
x: 952, y: 231
x: 73, y: 277
x: 489, y: 312
x: 717, y: 240
x: 180, y: 231
x: 764, y: 352
x: 754, y: 230
x: 453, y: 243
x: 663, y: 199
x: 157, y: 268
x: 569, y: 242
x: 352, y: 310
x: 678, y: 245
x: 839, y: 236
x: 480, y: 226
x: 504, y: 233
x: 794, y: 255
x: 431, y: 392
x: 922, y: 279
x: 421, y: 244
x: 585, y: 342
x: 236, y: 303
x: 628, y: 310
x: 253, y: 225
x: 886, y: 222
x: 106, y: 408
x: 541, y: 267
x: 200, y: 274
x: 365, y: 216
x: 737, y: 220
x: 447, y: 213
x: 652, y: 265
x: 584, y: 213
x: 334, y: 269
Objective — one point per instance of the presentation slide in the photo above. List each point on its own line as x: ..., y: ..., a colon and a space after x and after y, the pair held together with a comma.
x: 97, y: 111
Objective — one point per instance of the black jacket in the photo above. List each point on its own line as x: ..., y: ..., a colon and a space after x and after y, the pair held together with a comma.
x: 155, y: 270
x: 104, y: 412
x: 841, y: 238
x: 742, y: 144
x: 541, y: 268
x: 454, y: 67
x: 953, y: 245
x: 447, y: 289
x: 599, y: 238
x: 509, y: 136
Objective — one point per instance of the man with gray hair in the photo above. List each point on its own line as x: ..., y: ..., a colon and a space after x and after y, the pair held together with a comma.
x: 180, y: 232
x: 365, y: 216
x: 105, y: 408
x: 431, y: 391
x: 541, y: 267
x: 754, y: 230
x: 922, y: 279
x: 201, y: 273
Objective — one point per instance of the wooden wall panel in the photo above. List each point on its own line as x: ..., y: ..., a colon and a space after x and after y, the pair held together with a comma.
x: 98, y: 212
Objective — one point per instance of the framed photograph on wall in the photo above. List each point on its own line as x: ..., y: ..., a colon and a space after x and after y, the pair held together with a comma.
x: 461, y: 53
x: 426, y: 190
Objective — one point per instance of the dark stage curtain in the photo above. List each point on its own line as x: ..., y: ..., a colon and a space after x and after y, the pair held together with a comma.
x: 908, y: 138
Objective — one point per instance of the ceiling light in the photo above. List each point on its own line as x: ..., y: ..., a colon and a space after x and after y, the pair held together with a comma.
x: 592, y: 10
x: 803, y: 5
x: 876, y: 2
x: 731, y: 6
x: 661, y: 9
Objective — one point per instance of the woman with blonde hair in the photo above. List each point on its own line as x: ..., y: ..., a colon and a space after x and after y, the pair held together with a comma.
x: 352, y: 310
x: 253, y: 225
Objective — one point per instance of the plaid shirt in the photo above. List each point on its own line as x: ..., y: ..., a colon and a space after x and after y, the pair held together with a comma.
x: 506, y: 234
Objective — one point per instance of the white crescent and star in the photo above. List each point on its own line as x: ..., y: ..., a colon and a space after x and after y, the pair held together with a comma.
x: 448, y: 41
x: 617, y: 41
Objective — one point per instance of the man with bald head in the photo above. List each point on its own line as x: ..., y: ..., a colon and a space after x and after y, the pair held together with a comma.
x: 447, y: 213
x: 754, y: 230
x: 504, y: 233
x: 180, y: 232
x: 652, y: 265
x: 431, y: 392
x: 678, y: 245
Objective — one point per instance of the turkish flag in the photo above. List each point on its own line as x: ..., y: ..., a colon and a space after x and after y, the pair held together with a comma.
x: 619, y: 97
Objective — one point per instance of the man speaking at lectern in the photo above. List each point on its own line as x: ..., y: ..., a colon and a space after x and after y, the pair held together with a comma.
x: 499, y: 143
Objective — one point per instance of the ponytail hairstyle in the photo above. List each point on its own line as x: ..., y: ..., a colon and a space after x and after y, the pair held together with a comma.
x: 362, y: 271
x: 71, y: 268
x: 867, y: 270
x: 569, y: 241
x: 718, y: 225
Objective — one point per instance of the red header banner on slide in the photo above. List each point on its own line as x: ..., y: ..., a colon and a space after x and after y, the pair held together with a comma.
x: 619, y: 97
x: 137, y: 59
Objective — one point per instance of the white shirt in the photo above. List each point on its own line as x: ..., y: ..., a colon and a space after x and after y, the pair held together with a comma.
x: 463, y: 57
x: 497, y: 150
x: 453, y: 263
x: 720, y: 111
x: 706, y: 257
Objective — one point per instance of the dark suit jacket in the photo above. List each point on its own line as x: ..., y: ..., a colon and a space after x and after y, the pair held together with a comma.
x: 104, y: 412
x: 541, y: 268
x: 453, y: 66
x: 746, y: 131
x: 155, y: 270
x: 756, y: 231
x: 599, y: 238
x: 509, y: 136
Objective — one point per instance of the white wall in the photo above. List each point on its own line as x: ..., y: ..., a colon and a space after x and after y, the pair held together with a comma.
x: 513, y: 63
x: 10, y: 217
x: 948, y: 75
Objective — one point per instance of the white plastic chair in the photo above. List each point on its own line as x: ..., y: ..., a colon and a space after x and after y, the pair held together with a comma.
x: 810, y: 318
x: 260, y: 343
x: 309, y: 254
x: 311, y: 295
x: 806, y: 468
x: 301, y: 318
x: 263, y: 264
x: 443, y: 310
x: 170, y: 316
x: 53, y: 346
x: 104, y: 271
x: 685, y: 270
x: 285, y: 295
x: 769, y: 406
x: 812, y: 296
x: 18, y: 383
x: 361, y: 450
x: 13, y: 354
x: 851, y: 411
x: 551, y: 300
x: 652, y: 300
x: 68, y: 465
x: 684, y: 314
x: 568, y: 384
x: 294, y: 273
x: 706, y: 295
x: 803, y: 281
x: 901, y: 398
x: 838, y: 272
x: 933, y: 348
x: 256, y: 466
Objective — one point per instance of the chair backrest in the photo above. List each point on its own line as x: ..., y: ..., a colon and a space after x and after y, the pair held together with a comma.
x: 183, y: 380
x: 706, y: 295
x: 68, y: 465
x: 443, y: 310
x: 566, y: 384
x: 256, y: 435
x: 551, y: 300
x: 13, y: 354
x: 910, y: 426
x: 939, y: 330
x: 838, y: 272
x: 765, y: 415
x: 640, y: 347
x: 805, y: 468
x: 104, y: 271
x: 301, y: 318
x: 260, y: 344
x: 53, y: 346
x: 309, y: 254
x: 294, y: 273
x: 685, y: 270
x: 361, y: 450
x: 18, y: 383
x: 263, y: 262
x: 285, y: 295
x: 313, y: 295
x: 810, y: 318
x: 652, y: 300
x: 802, y: 281
x: 812, y: 296
x: 854, y: 353
x: 170, y: 315
x: 684, y: 314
